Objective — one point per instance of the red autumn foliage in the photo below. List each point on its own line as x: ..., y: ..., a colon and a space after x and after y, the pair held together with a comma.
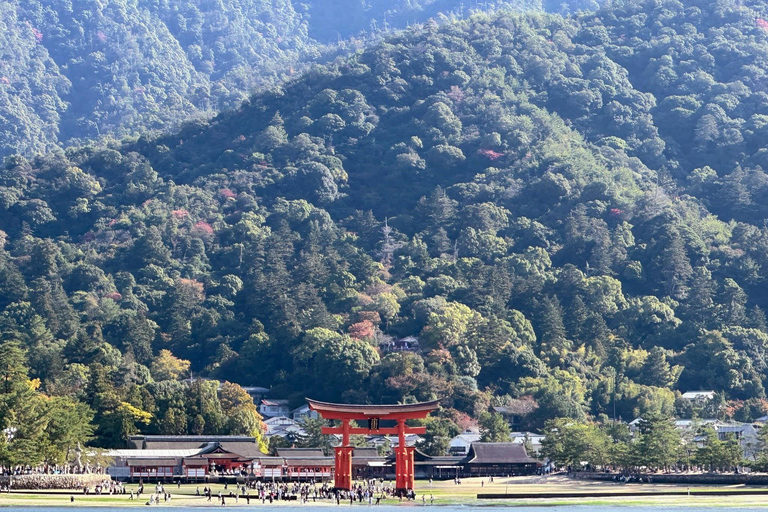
x: 180, y: 214
x: 462, y: 420
x: 115, y: 296
x: 369, y: 316
x: 204, y: 228
x: 493, y: 155
x: 732, y: 406
x: 762, y: 23
x: 361, y: 330
x: 227, y: 193
x: 364, y: 300
x: 193, y: 287
x: 456, y: 94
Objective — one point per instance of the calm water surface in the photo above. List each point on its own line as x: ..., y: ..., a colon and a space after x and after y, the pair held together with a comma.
x: 384, y: 508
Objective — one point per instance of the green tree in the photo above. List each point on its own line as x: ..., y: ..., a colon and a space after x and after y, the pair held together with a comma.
x: 314, y: 437
x: 437, y: 440
x: 571, y: 443
x: 493, y: 428
x: 717, y: 454
x: 658, y: 443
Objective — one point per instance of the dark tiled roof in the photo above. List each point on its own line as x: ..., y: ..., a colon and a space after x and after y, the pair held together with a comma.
x: 245, y: 446
x: 244, y: 449
x: 362, y: 456
x: 310, y: 462
x: 171, y: 445
x: 365, y: 452
x: 183, y: 442
x: 270, y: 462
x: 498, y: 453
x: 441, y: 460
x: 448, y: 459
x: 290, y: 453
x: 152, y: 462
x: 195, y: 461
x: 226, y: 456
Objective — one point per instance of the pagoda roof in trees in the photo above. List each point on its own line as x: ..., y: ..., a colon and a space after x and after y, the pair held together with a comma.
x: 362, y: 411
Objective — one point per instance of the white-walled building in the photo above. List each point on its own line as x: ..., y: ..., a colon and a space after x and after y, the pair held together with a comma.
x: 460, y: 444
x: 303, y: 412
x: 532, y: 437
x: 272, y: 408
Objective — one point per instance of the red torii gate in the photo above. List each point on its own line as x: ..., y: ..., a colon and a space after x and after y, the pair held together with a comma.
x: 373, y: 414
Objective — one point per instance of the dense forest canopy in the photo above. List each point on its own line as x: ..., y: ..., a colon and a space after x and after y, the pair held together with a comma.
x: 76, y: 70
x: 566, y: 210
x: 79, y: 69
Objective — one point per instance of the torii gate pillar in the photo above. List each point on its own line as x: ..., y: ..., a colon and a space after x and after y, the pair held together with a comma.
x: 404, y: 470
x: 342, y: 477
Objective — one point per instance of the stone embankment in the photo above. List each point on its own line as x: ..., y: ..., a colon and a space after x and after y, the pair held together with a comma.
x: 51, y: 482
x: 684, y: 478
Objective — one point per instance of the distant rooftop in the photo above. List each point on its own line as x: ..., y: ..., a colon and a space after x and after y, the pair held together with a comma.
x: 698, y: 395
x: 498, y: 453
x: 274, y: 402
x: 255, y: 389
x: 303, y: 453
x: 151, y: 454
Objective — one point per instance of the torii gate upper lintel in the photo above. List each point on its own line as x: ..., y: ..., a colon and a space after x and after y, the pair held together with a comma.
x: 373, y: 414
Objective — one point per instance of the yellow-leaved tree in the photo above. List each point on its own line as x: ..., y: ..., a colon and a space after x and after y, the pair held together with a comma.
x: 166, y: 366
x: 241, y: 413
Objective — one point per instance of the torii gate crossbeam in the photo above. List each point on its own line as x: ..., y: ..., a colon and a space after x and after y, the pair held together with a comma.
x: 373, y: 414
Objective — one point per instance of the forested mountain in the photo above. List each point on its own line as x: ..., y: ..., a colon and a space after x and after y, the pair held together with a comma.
x: 332, y: 19
x: 79, y: 69
x: 564, y: 208
x: 76, y: 70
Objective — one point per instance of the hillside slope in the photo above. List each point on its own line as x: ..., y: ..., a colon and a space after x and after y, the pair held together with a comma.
x: 79, y: 70
x: 500, y: 187
x: 82, y: 69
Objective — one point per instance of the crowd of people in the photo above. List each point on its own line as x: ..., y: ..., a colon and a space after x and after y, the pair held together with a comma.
x: 106, y: 486
x: 52, y: 469
x: 370, y: 492
x: 54, y: 481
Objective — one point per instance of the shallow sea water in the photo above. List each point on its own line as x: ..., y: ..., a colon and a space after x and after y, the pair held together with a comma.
x: 400, y: 508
